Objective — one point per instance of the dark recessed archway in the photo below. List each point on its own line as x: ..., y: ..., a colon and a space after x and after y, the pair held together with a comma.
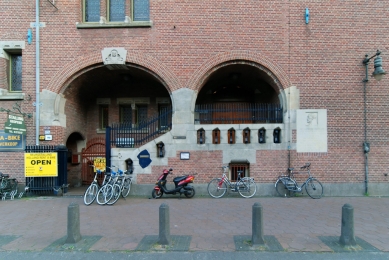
x: 238, y: 83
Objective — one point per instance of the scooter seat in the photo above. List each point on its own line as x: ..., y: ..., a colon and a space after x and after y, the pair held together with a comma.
x: 180, y: 178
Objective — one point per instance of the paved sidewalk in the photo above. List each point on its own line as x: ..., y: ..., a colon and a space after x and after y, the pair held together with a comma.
x: 199, y: 224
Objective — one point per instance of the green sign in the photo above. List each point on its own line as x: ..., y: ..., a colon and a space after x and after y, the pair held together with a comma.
x: 15, y: 125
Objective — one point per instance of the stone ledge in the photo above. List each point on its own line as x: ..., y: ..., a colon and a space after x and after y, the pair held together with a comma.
x: 113, y: 25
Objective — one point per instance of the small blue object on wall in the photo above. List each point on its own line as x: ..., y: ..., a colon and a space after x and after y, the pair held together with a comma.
x: 144, y: 158
x: 29, y: 36
x: 306, y: 15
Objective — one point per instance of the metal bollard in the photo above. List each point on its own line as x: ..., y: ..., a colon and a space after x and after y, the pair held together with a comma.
x: 164, y: 224
x: 347, y: 237
x: 73, y: 224
x: 257, y: 226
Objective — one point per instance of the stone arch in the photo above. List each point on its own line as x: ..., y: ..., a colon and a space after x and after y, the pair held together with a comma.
x: 227, y: 58
x: 86, y: 63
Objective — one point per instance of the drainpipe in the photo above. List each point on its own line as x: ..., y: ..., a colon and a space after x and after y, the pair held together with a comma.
x: 366, y: 146
x: 37, y: 72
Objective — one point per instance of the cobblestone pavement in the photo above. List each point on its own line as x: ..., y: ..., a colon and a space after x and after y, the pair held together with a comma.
x: 199, y: 224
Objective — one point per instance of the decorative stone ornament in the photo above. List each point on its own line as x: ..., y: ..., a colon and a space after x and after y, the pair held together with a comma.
x: 114, y: 57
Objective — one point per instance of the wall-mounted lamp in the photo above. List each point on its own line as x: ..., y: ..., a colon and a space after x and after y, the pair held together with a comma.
x: 246, y: 135
x: 201, y: 136
x: 262, y: 136
x: 160, y: 150
x: 216, y: 136
x: 276, y: 135
x: 378, y: 74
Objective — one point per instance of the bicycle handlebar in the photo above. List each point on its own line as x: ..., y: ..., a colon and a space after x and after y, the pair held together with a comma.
x: 306, y: 166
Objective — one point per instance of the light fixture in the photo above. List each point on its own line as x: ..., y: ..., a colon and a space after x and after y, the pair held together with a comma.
x: 161, y: 150
x: 378, y: 74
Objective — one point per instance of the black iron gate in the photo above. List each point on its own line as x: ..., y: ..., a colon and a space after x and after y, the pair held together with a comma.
x: 49, y: 184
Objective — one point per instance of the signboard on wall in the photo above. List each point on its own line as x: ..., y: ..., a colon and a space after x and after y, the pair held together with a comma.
x: 12, y: 142
x: 40, y: 165
x: 99, y: 164
x: 15, y: 125
x: 144, y: 159
x: 311, y: 131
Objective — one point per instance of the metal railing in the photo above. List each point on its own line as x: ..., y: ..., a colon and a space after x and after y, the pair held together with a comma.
x: 130, y: 135
x: 238, y: 113
x: 42, y: 185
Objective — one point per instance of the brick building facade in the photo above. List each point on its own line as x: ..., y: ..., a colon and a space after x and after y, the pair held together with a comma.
x: 103, y: 62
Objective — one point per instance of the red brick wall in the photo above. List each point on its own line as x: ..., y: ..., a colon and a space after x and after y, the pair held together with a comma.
x: 323, y: 59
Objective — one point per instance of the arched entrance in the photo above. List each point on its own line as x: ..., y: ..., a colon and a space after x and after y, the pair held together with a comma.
x: 95, y: 148
x: 74, y: 143
x: 239, y: 92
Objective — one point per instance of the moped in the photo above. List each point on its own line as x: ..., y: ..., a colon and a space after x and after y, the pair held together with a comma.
x: 180, y: 183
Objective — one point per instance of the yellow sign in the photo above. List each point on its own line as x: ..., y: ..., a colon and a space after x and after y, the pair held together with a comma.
x: 99, y: 164
x: 40, y: 165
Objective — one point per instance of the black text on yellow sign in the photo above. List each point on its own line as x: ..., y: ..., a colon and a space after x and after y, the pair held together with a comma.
x: 99, y: 164
x: 40, y: 165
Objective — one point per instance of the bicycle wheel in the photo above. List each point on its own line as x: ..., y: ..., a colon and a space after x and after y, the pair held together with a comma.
x: 217, y: 188
x: 247, y: 187
x: 90, y: 194
x: 314, y: 188
x: 281, y: 188
x: 115, y: 194
x: 104, y: 194
x: 126, y: 187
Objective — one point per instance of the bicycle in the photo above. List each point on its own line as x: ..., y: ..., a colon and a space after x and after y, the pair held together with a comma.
x: 286, y: 186
x: 91, y: 192
x: 122, y: 186
x: 245, y: 186
x: 105, y: 192
x: 8, y: 187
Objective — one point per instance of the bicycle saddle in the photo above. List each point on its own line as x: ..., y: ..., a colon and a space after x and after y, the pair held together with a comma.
x: 4, y: 175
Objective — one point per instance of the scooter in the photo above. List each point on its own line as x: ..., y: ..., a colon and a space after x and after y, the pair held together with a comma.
x: 181, y: 185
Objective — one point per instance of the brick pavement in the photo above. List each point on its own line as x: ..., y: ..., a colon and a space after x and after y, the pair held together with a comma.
x: 206, y: 224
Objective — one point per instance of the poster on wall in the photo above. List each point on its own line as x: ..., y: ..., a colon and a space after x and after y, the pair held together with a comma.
x: 40, y: 165
x: 99, y: 164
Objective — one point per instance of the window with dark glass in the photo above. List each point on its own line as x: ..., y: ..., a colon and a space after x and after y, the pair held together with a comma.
x: 117, y: 10
x: 103, y: 116
x: 125, y: 114
x: 92, y: 10
x: 15, y: 72
x: 141, y: 10
x: 141, y: 114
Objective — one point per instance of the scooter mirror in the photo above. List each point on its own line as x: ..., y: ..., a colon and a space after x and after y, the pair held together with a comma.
x: 171, y: 169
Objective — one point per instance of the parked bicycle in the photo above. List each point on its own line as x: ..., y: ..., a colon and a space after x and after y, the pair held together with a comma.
x: 245, y: 186
x: 122, y: 186
x: 287, y: 186
x: 91, y: 192
x: 8, y: 186
x: 119, y: 183
x: 105, y: 192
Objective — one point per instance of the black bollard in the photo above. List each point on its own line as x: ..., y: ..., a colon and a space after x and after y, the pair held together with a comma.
x: 347, y: 237
x: 257, y: 226
x: 164, y: 224
x: 73, y: 224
